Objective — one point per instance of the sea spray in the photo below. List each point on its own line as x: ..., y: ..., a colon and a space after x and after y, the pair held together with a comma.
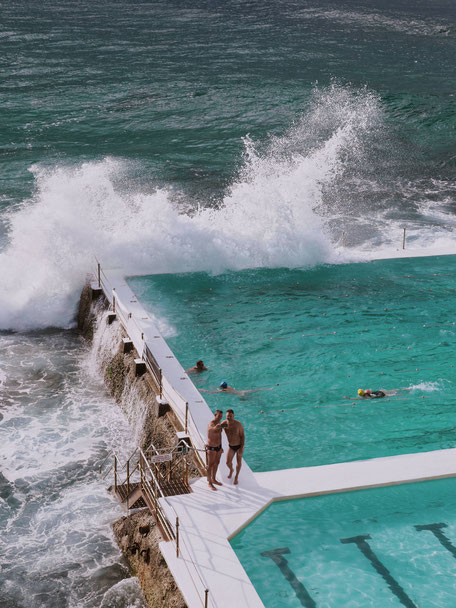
x: 331, y: 171
x: 136, y: 410
x: 107, y: 340
x: 77, y: 213
x: 267, y: 218
x: 57, y: 545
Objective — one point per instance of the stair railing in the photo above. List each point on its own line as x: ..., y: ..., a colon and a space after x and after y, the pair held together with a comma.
x: 152, y: 492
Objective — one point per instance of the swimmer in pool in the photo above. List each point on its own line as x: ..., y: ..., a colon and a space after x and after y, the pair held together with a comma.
x: 368, y: 393
x: 224, y: 388
x: 198, y: 368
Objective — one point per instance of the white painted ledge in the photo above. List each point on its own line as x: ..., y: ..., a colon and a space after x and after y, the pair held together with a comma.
x: 208, y: 519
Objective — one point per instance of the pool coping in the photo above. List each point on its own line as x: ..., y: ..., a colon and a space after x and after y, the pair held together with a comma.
x: 207, y: 519
x: 210, y: 520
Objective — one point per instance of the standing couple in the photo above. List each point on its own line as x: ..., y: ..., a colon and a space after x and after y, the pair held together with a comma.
x: 236, y: 439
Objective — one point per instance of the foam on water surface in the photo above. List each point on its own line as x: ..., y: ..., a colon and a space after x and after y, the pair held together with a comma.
x: 288, y: 204
x: 58, y: 426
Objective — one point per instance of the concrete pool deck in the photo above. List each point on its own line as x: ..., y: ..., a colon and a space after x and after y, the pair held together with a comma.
x: 207, y: 519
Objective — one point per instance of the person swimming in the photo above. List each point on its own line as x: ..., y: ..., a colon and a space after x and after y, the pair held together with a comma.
x: 225, y: 388
x: 368, y: 393
x: 199, y: 367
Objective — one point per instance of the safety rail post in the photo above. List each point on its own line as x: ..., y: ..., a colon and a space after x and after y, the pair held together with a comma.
x: 206, y: 597
x: 186, y: 418
x: 113, y: 303
x: 115, y: 472
x: 99, y: 274
x: 403, y: 240
x: 128, y: 480
x: 155, y: 489
x: 160, y: 379
x: 177, y: 537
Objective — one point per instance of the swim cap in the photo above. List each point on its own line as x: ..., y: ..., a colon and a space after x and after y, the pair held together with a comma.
x: 360, y: 392
x: 223, y: 384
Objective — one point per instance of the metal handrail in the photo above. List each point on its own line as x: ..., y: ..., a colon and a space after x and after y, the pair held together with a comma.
x: 184, y: 422
x: 177, y: 537
x: 152, y: 364
x: 150, y: 485
x: 126, y: 317
x: 153, y: 490
x: 145, y: 466
x: 190, y: 414
x: 154, y: 368
x: 104, y: 282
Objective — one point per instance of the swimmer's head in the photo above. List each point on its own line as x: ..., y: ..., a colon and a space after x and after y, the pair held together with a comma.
x: 223, y: 384
x: 360, y: 392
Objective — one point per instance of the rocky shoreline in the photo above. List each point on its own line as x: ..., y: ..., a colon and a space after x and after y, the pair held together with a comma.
x: 137, y: 534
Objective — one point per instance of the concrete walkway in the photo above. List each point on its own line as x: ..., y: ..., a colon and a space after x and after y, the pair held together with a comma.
x: 207, y: 519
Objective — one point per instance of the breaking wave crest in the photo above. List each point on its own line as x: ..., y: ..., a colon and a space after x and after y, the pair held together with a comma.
x: 277, y: 212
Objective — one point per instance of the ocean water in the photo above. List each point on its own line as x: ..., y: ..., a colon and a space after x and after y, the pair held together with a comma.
x: 166, y: 138
x: 391, y: 546
x: 58, y: 427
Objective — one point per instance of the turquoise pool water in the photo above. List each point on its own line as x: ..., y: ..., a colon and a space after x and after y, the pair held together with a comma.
x: 393, y: 546
x: 315, y: 336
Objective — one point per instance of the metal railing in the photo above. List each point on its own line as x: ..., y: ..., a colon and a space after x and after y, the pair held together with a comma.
x: 149, y: 483
x: 183, y: 413
x: 179, y: 405
x: 152, y: 492
x: 153, y: 495
x: 342, y: 241
x: 154, y: 368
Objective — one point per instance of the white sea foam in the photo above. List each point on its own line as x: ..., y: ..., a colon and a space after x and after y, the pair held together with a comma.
x: 58, y: 547
x: 376, y: 20
x: 125, y: 594
x: 428, y: 387
x: 274, y: 214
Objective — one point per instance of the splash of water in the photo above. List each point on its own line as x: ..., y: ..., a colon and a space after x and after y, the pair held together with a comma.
x: 57, y: 545
x: 274, y: 214
x: 428, y: 387
x: 105, y: 345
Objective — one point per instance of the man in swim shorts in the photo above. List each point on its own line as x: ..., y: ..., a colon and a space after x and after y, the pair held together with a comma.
x: 214, y: 448
x: 236, y: 439
x: 370, y: 394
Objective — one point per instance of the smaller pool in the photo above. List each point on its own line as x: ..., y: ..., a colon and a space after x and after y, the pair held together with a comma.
x: 393, y: 546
